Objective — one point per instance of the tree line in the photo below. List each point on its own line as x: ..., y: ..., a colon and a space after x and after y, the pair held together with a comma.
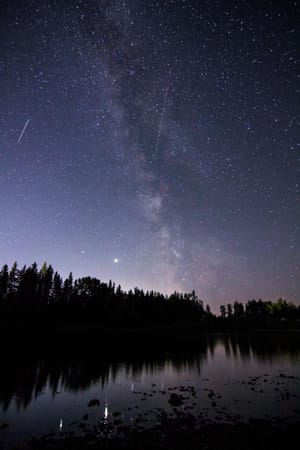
x: 30, y: 291
x: 260, y: 311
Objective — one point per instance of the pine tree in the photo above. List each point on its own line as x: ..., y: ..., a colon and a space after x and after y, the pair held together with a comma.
x: 13, y: 280
x: 68, y: 288
x: 4, y: 277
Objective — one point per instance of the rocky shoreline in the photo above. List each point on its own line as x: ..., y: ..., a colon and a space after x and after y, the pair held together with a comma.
x: 180, y: 434
x: 178, y: 425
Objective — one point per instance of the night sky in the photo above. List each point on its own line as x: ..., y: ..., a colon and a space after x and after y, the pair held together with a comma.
x: 153, y: 143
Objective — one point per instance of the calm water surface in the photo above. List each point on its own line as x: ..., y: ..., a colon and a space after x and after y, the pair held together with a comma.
x: 228, y: 377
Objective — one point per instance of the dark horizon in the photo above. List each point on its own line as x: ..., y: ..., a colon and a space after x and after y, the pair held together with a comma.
x: 31, y: 290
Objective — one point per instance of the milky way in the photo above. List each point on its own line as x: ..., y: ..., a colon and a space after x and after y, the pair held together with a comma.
x: 163, y: 145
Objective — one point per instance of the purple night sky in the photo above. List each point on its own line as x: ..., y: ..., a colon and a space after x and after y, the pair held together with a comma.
x: 154, y: 143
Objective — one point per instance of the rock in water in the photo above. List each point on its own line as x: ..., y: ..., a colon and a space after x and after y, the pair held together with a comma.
x: 176, y: 400
x: 94, y: 402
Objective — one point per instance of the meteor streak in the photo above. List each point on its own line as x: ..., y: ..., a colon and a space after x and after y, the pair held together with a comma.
x: 163, y: 112
x: 23, y: 131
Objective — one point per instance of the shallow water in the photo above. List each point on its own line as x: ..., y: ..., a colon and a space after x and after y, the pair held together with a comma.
x: 228, y: 378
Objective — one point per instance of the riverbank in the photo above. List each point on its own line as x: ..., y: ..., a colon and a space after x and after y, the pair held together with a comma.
x: 79, y: 333
x: 182, y: 434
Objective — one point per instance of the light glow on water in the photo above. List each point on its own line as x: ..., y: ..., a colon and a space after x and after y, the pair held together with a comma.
x: 106, y: 411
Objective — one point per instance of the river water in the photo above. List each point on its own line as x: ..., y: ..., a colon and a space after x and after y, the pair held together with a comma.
x: 226, y: 378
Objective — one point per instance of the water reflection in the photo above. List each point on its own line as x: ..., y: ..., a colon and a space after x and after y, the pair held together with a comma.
x: 261, y: 345
x: 106, y: 411
x: 24, y: 376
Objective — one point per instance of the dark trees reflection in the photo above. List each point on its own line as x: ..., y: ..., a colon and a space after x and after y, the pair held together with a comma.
x: 27, y: 372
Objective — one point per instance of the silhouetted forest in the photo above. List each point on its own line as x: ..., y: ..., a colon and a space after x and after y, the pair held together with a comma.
x: 259, y: 311
x: 33, y: 291
x: 30, y: 292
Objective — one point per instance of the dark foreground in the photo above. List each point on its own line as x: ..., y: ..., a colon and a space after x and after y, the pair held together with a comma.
x: 73, y: 357
x: 183, y: 434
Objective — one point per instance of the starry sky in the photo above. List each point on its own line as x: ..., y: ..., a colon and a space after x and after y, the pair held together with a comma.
x: 153, y: 143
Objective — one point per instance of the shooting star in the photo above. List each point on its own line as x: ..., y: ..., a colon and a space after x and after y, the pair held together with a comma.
x: 163, y: 113
x: 23, y: 131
